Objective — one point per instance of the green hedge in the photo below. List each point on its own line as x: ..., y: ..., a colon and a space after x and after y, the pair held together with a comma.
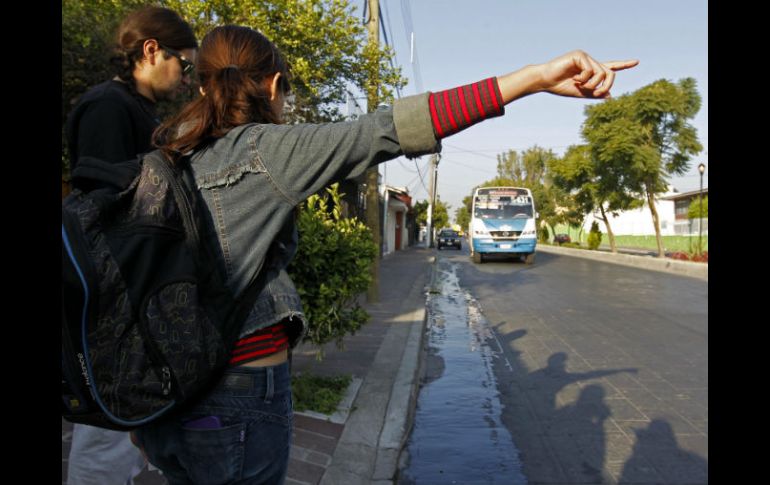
x: 331, y: 268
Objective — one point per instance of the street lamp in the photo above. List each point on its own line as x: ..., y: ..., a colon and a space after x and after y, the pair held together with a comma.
x: 701, y: 169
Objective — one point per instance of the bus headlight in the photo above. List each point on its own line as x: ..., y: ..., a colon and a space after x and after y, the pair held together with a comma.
x: 528, y: 233
x: 481, y: 232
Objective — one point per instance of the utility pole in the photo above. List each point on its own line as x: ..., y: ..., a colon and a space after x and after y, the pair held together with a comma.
x: 433, y: 189
x: 372, y: 174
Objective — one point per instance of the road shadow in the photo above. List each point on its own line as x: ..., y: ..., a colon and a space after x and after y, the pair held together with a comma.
x: 561, y: 422
x: 658, y: 458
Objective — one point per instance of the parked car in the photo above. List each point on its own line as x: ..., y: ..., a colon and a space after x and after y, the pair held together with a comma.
x: 561, y: 239
x: 449, y: 237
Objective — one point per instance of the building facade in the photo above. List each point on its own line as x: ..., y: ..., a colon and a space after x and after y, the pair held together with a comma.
x: 398, y: 224
x: 672, y: 210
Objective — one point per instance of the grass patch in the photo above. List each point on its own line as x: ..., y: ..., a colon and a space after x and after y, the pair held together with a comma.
x: 670, y: 243
x: 686, y: 244
x: 320, y: 394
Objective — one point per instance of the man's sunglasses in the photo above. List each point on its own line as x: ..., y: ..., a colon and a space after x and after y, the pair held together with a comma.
x: 187, y: 66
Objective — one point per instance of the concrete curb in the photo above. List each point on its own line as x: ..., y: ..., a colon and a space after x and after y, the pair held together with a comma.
x: 666, y: 265
x: 369, y: 447
x: 403, y: 399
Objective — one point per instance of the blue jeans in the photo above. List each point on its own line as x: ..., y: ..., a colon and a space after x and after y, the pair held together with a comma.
x: 248, y: 443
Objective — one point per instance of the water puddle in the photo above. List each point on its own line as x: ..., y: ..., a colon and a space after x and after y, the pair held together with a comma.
x: 458, y: 435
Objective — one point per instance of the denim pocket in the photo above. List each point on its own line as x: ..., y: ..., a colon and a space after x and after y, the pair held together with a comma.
x: 215, y: 455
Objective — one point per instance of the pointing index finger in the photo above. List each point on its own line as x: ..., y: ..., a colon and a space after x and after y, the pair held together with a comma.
x: 620, y: 65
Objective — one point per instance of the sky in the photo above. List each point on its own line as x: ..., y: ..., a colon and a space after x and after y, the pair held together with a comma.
x: 462, y: 41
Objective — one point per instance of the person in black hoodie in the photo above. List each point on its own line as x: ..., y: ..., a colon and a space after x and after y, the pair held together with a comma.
x: 113, y: 122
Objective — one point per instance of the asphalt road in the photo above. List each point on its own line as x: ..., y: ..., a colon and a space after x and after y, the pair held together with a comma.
x: 602, y: 369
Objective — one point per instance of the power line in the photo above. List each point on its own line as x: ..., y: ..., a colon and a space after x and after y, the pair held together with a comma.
x: 406, y: 14
x: 420, y: 174
x: 405, y: 167
x: 469, y: 151
x: 468, y: 166
x: 387, y: 42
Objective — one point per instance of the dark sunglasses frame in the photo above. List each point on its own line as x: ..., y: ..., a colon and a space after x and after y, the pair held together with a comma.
x: 187, y: 65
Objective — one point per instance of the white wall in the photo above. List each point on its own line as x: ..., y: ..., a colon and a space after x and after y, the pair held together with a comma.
x: 395, y: 205
x: 637, y: 222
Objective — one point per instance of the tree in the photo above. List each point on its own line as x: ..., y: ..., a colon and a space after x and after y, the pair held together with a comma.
x: 592, y: 184
x: 421, y: 212
x: 440, y: 213
x: 324, y: 43
x: 463, y: 217
x: 644, y: 137
x: 563, y: 209
x: 694, y: 211
x: 527, y: 170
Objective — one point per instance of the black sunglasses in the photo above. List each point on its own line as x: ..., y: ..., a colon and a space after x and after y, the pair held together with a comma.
x: 187, y: 66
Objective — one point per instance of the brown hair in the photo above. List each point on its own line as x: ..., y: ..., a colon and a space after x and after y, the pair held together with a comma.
x: 161, y: 24
x: 233, y: 65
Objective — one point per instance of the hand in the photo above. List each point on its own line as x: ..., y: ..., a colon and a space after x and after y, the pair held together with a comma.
x: 135, y: 442
x: 578, y: 75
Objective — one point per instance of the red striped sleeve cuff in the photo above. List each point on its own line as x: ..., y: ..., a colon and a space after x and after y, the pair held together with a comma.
x: 456, y: 109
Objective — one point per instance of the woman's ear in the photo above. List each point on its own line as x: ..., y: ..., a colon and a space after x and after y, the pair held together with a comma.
x: 274, y: 89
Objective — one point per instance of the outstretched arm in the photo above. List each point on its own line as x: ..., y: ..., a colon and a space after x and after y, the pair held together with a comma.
x: 575, y: 74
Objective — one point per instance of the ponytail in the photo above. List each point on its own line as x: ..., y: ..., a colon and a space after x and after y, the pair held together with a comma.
x: 235, y: 66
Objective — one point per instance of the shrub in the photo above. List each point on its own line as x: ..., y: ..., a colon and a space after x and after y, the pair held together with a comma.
x: 693, y: 256
x: 543, y: 235
x: 331, y: 268
x: 594, y: 236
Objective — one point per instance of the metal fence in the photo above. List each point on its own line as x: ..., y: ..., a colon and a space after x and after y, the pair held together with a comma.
x: 691, y: 227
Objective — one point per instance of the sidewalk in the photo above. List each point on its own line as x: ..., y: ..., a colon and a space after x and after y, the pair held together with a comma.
x: 626, y: 258
x: 362, y: 445
x: 384, y: 355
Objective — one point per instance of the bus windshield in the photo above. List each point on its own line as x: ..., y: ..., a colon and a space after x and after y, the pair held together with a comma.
x: 504, y: 212
x: 502, y: 207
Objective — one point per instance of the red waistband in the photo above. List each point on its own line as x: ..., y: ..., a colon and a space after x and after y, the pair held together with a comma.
x: 260, y: 344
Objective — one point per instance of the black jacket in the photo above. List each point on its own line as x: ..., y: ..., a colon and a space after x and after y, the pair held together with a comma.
x: 110, y: 123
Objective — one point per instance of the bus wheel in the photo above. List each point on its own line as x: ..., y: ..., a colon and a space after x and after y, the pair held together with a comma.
x: 477, y: 257
x: 529, y: 258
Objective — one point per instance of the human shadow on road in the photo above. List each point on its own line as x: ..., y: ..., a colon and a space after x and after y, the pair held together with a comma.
x: 657, y: 458
x: 578, y: 430
x: 564, y: 444
x: 548, y: 381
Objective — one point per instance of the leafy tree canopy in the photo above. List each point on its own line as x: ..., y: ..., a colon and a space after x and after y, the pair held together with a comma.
x: 324, y: 42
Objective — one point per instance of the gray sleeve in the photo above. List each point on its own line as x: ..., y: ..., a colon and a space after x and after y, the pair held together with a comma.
x: 303, y: 159
x: 411, y: 115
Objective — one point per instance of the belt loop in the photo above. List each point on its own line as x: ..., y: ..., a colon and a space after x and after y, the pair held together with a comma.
x: 270, y: 385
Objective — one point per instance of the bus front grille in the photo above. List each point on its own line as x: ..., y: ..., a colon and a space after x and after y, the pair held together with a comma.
x: 505, y: 233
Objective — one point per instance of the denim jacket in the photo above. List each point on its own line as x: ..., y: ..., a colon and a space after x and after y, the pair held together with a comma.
x: 252, y: 178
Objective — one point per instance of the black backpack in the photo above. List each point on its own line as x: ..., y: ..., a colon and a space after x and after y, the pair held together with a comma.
x: 147, y: 321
